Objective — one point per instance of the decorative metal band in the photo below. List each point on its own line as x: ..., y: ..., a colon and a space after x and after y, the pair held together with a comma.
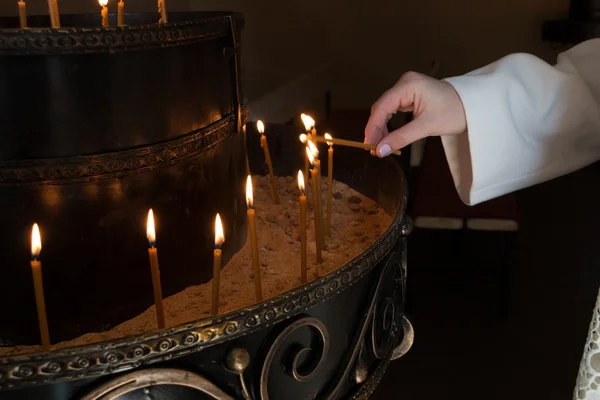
x: 126, y: 354
x: 118, y: 164
x: 112, y: 39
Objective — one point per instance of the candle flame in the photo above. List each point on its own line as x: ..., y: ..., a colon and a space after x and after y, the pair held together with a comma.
x: 249, y: 196
x: 219, y: 235
x: 260, y: 127
x: 36, y: 242
x: 328, y: 138
x: 103, y: 3
x: 303, y: 138
x: 313, y: 149
x: 150, y: 230
x: 308, y: 122
x: 311, y: 158
x: 301, y: 181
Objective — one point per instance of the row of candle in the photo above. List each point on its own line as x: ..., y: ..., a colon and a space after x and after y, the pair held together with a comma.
x: 36, y: 266
x: 55, y: 15
x: 312, y: 159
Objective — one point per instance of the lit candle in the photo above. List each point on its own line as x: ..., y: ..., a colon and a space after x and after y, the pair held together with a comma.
x: 303, y: 139
x: 219, y: 239
x: 158, y: 299
x: 23, y: 14
x: 303, y: 247
x: 317, y: 188
x: 253, y: 241
x: 54, y: 13
x: 265, y: 146
x: 104, y: 5
x: 309, y: 124
x: 329, y: 185
x: 317, y: 215
x: 38, y: 286
x: 162, y: 9
x: 121, y: 14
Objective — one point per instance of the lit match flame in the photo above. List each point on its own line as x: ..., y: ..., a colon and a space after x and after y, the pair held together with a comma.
x: 36, y: 242
x: 311, y: 158
x: 308, y: 122
x: 303, y: 138
x: 313, y: 149
x: 328, y: 137
x: 103, y: 3
x: 260, y: 127
x: 219, y: 235
x: 249, y: 196
x: 301, y: 181
x: 150, y: 231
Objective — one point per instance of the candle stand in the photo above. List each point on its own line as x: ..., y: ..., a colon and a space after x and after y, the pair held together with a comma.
x: 102, y: 124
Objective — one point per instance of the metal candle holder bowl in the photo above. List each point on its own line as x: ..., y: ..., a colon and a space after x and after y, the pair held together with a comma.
x: 329, y: 339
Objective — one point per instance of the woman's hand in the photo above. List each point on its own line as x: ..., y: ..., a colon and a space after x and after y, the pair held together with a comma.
x: 436, y: 107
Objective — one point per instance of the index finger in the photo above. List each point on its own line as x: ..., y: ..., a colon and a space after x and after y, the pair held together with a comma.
x: 391, y: 101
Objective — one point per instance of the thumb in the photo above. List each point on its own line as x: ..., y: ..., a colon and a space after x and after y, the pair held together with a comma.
x: 401, y: 138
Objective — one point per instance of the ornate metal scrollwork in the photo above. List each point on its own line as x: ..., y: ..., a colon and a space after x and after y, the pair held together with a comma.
x: 294, y: 369
x: 407, y: 340
x: 237, y: 361
x: 124, y: 384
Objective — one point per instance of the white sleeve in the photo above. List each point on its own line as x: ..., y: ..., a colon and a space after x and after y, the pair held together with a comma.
x: 527, y: 122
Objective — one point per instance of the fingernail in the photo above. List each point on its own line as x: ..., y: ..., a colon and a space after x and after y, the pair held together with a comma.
x: 384, y: 150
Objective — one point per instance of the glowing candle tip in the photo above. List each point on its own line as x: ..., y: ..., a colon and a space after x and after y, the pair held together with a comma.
x: 311, y: 158
x: 313, y: 149
x: 219, y: 235
x: 36, y: 242
x: 150, y: 230
x: 249, y: 194
x: 103, y: 3
x: 308, y: 122
x: 260, y: 127
x: 301, y: 181
x: 328, y: 139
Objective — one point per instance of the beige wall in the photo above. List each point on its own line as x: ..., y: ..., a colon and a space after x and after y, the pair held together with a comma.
x: 283, y: 40
x: 392, y: 37
x: 9, y: 7
x: 375, y: 41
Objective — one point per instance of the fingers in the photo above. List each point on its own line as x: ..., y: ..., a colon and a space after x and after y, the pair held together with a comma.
x: 381, y: 112
x: 402, y: 137
x: 398, y: 98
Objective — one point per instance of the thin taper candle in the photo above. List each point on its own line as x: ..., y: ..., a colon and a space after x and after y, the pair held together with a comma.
x: 319, y: 193
x: 104, y: 13
x: 303, y: 244
x: 219, y: 239
x: 329, y: 185
x: 162, y: 9
x: 23, y: 14
x: 38, y: 286
x: 316, y: 163
x: 121, y: 14
x: 265, y: 146
x: 155, y: 271
x: 253, y: 240
x: 54, y: 13
x: 317, y: 216
x: 303, y: 140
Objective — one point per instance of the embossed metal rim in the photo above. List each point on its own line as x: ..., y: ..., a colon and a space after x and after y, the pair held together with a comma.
x: 78, y: 40
x: 118, y: 164
x: 128, y: 353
